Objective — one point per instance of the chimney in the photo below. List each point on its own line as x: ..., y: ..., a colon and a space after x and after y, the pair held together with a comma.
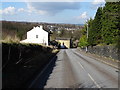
x: 41, y: 27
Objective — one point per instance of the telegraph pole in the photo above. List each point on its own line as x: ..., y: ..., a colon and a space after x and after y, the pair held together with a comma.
x: 87, y: 39
x: 87, y: 31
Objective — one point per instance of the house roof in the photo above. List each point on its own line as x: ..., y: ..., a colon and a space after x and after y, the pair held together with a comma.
x: 38, y: 28
x: 59, y: 38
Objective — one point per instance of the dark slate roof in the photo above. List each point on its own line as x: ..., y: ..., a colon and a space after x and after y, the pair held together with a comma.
x: 59, y: 38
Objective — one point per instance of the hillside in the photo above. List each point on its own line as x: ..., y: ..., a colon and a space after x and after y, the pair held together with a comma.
x: 17, y: 30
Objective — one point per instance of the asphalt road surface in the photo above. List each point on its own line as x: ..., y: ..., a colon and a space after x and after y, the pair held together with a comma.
x: 72, y: 69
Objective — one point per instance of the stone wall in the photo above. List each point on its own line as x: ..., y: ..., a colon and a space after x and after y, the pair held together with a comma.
x: 106, y: 51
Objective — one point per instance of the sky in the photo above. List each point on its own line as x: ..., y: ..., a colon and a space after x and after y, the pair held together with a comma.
x: 66, y: 11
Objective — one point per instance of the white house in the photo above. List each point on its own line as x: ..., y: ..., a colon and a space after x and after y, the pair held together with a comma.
x: 37, y: 35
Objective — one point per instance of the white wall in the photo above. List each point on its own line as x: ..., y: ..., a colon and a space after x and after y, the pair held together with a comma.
x: 42, y: 36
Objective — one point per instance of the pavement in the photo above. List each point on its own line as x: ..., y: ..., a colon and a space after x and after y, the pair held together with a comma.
x: 74, y: 69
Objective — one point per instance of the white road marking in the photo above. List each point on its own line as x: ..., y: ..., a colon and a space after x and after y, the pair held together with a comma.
x: 93, y: 80
x: 81, y: 65
x: 106, y: 62
x: 89, y: 75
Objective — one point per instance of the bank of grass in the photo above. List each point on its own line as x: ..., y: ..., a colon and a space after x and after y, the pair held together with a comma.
x: 21, y: 62
x: 9, y: 39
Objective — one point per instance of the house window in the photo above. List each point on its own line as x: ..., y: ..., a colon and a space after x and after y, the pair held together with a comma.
x: 36, y: 36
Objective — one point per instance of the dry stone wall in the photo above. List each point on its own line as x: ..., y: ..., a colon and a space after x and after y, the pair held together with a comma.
x: 106, y: 51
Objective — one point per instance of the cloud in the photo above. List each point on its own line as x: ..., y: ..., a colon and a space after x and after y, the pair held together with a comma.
x: 48, y: 0
x: 83, y: 16
x: 21, y: 10
x: 51, y: 8
x: 8, y: 10
x: 96, y: 2
x: 32, y: 9
x: 0, y: 11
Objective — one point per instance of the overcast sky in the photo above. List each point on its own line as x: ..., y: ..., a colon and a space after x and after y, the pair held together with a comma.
x: 68, y: 11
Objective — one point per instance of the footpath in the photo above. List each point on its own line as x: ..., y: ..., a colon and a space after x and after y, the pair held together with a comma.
x: 112, y: 62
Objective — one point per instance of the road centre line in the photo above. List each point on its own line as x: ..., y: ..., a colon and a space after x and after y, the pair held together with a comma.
x: 93, y: 80
x: 89, y: 75
x: 81, y: 65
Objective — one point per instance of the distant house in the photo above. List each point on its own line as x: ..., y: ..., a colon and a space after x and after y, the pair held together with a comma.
x: 37, y: 35
x: 64, y: 41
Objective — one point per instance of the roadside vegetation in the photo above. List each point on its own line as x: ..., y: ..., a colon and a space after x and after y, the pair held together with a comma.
x: 22, y: 62
x: 104, y: 29
x: 16, y: 31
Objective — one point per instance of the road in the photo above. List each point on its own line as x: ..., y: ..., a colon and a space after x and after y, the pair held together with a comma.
x: 73, y: 69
